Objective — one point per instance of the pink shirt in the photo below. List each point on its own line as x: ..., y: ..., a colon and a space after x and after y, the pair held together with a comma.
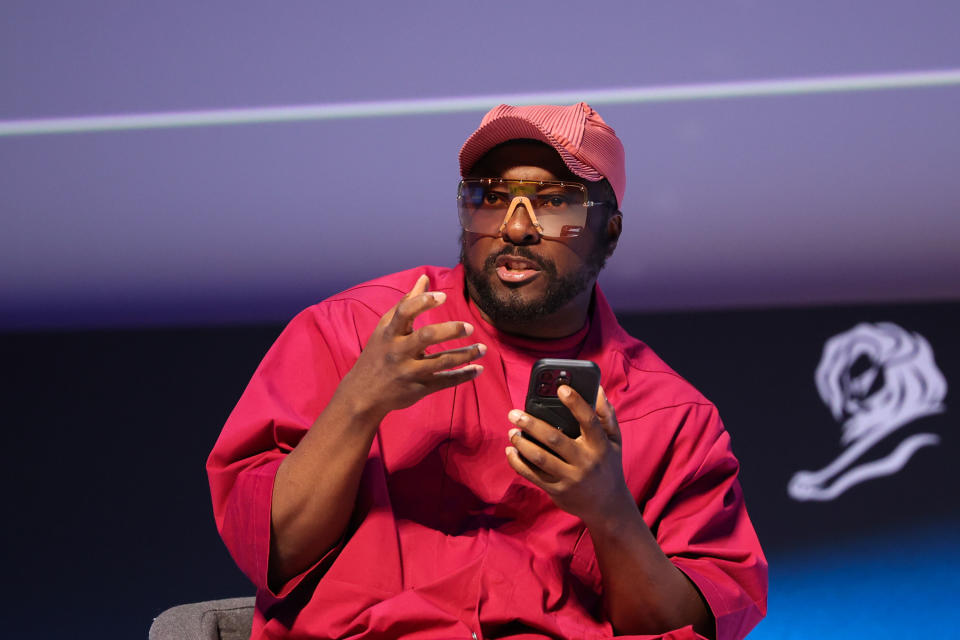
x: 447, y: 541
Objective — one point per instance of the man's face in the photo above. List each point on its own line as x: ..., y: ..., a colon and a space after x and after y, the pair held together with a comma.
x: 520, y: 277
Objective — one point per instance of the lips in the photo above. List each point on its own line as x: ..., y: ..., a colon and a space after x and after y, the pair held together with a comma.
x: 514, y: 269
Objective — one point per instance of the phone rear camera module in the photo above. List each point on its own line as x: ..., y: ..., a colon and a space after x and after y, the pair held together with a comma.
x: 545, y: 376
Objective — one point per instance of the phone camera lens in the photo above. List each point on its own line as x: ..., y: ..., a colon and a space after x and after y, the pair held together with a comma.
x: 562, y: 380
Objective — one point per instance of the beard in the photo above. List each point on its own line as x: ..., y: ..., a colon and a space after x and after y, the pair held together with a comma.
x: 508, y: 305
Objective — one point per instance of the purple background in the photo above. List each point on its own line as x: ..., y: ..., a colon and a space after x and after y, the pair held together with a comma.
x: 840, y: 197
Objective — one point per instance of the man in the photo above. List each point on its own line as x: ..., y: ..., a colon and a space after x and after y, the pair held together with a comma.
x: 375, y: 480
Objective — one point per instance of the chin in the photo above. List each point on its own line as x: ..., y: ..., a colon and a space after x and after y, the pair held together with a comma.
x: 525, y: 302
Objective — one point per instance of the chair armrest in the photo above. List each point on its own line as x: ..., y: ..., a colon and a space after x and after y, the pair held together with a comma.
x: 227, y: 619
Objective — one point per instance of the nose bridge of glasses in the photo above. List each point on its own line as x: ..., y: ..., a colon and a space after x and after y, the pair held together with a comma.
x: 527, y: 206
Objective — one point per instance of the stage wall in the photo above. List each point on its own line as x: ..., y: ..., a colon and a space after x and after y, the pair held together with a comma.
x: 108, y: 433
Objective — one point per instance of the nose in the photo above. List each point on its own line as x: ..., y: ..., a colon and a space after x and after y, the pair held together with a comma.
x: 520, y: 228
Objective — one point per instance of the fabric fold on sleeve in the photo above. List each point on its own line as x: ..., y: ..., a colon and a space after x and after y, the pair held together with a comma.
x: 705, y: 531
x: 292, y: 385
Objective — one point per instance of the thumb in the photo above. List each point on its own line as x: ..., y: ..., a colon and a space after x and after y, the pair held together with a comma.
x: 420, y: 286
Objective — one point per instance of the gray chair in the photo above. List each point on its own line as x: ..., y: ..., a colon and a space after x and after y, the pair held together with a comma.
x: 228, y: 619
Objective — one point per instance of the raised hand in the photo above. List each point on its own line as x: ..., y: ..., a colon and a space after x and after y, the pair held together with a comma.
x: 393, y: 371
x: 316, y: 484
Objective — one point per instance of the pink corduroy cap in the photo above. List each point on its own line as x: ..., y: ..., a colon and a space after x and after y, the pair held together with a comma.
x: 588, y: 146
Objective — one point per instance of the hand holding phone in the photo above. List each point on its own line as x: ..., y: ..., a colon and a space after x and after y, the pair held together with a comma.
x: 581, y: 472
x: 546, y: 376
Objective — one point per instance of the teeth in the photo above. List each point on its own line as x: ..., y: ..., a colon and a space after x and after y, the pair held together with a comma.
x: 517, y: 265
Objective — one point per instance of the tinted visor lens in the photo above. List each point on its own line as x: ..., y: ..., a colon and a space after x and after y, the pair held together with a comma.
x: 559, y: 208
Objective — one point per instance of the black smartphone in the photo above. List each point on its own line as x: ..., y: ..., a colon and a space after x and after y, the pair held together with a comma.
x: 546, y: 376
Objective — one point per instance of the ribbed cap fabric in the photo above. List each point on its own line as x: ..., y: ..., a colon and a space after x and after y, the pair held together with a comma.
x: 588, y: 146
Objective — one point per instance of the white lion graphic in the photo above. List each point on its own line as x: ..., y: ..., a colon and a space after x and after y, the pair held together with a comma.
x: 875, y: 378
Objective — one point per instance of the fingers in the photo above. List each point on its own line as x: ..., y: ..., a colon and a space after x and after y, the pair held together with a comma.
x: 418, y: 287
x: 470, y: 371
x: 415, y: 302
x: 594, y: 423
x: 561, y: 446
x: 608, y: 416
x: 543, y: 464
x: 452, y: 377
x: 522, y: 467
x: 583, y: 412
x: 452, y: 358
x: 432, y: 334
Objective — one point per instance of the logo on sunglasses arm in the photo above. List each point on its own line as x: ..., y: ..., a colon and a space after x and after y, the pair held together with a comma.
x: 875, y: 379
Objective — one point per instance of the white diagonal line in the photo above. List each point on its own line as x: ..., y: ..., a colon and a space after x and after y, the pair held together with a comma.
x: 388, y: 108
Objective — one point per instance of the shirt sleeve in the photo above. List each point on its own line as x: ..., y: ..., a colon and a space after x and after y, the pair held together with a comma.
x: 290, y: 388
x: 701, y: 523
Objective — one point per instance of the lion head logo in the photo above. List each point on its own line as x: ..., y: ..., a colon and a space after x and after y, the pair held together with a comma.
x: 874, y: 378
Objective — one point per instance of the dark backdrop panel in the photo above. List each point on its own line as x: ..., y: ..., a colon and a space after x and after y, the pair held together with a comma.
x: 108, y: 433
x: 882, y: 559
x: 106, y: 444
x: 758, y: 368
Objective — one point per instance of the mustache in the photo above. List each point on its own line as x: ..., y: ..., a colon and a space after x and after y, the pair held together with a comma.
x: 546, y: 264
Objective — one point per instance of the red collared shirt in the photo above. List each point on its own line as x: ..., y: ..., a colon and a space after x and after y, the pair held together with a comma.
x: 447, y: 541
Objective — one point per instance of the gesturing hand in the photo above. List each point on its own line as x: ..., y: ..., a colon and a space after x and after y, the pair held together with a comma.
x: 393, y: 372
x: 583, y: 475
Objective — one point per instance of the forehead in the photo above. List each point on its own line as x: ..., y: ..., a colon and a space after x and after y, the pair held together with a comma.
x: 523, y: 160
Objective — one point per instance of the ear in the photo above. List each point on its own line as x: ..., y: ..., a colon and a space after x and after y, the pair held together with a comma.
x: 614, y: 229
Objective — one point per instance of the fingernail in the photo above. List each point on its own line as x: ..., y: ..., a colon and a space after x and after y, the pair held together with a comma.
x: 513, y: 433
x: 478, y: 368
x: 439, y: 296
x: 467, y: 328
x: 515, y: 416
x: 481, y: 348
x: 509, y: 450
x: 563, y: 391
